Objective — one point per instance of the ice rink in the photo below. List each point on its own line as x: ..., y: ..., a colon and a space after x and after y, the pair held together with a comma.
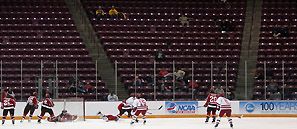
x: 161, y: 123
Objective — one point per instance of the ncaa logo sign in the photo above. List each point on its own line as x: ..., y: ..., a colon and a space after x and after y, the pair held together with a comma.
x: 181, y: 107
x: 249, y: 107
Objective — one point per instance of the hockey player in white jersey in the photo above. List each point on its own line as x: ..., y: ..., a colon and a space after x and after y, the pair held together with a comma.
x: 224, y: 106
x: 139, y: 107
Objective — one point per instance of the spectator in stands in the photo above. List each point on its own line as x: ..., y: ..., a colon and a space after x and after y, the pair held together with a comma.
x: 113, y: 13
x: 179, y: 74
x: 160, y: 56
x: 99, y: 13
x: 79, y: 87
x: 275, y: 96
x: 184, y: 20
x: 280, y: 32
x: 10, y: 92
x: 226, y: 26
x: 163, y: 73
x: 112, y: 97
x: 149, y: 80
x: 219, y: 90
x: 272, y: 87
x: 139, y: 81
x: 230, y: 95
x: 89, y: 88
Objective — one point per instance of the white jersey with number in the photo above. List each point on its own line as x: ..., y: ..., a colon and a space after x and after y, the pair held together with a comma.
x: 140, y: 104
x: 224, y: 103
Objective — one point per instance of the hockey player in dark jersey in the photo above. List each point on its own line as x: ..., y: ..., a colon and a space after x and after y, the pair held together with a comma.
x: 46, y: 107
x: 8, y: 105
x: 211, y: 105
x: 32, y: 104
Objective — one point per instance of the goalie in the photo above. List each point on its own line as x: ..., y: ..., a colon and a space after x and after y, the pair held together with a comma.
x: 63, y: 117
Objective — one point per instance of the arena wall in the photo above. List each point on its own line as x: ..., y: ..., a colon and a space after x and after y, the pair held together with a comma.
x: 176, y: 109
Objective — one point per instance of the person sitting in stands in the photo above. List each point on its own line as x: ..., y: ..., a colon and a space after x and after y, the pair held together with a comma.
x: 99, y: 13
x: 113, y: 13
x: 112, y: 97
x: 89, y: 88
x: 280, y: 32
x: 184, y: 20
x: 179, y: 74
x: 160, y: 56
x: 139, y: 81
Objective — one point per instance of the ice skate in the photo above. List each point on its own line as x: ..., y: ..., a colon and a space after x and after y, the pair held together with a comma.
x: 217, y: 124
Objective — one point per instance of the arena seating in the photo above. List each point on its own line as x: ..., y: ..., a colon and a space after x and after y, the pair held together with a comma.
x: 153, y: 25
x: 275, y: 50
x: 43, y: 30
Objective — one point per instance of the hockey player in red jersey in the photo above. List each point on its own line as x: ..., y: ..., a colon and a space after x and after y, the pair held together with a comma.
x: 139, y: 107
x: 126, y: 106
x: 108, y: 117
x: 32, y: 104
x: 211, y: 105
x: 46, y: 107
x: 8, y: 105
x: 224, y: 107
x: 63, y: 117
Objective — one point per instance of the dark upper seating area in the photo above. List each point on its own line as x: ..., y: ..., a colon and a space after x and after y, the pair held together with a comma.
x: 277, y: 50
x: 43, y: 30
x: 153, y: 25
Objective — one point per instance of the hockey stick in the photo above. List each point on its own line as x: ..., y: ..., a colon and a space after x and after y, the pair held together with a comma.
x: 240, y: 116
x: 157, y: 108
x: 149, y: 113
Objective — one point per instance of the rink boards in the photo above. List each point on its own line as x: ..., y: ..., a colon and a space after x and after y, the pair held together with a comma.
x: 176, y: 109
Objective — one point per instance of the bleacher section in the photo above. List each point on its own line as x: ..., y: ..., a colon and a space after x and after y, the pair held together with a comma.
x: 43, y: 30
x: 153, y: 25
x: 277, y: 50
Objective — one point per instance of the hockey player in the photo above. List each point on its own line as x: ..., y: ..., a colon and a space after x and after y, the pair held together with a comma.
x: 124, y: 106
x: 224, y: 106
x: 46, y: 107
x: 211, y: 105
x: 32, y: 104
x: 8, y: 105
x: 108, y: 117
x: 63, y: 117
x: 139, y: 107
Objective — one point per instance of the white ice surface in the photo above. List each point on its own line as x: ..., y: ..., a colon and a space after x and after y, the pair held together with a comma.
x: 164, y: 123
